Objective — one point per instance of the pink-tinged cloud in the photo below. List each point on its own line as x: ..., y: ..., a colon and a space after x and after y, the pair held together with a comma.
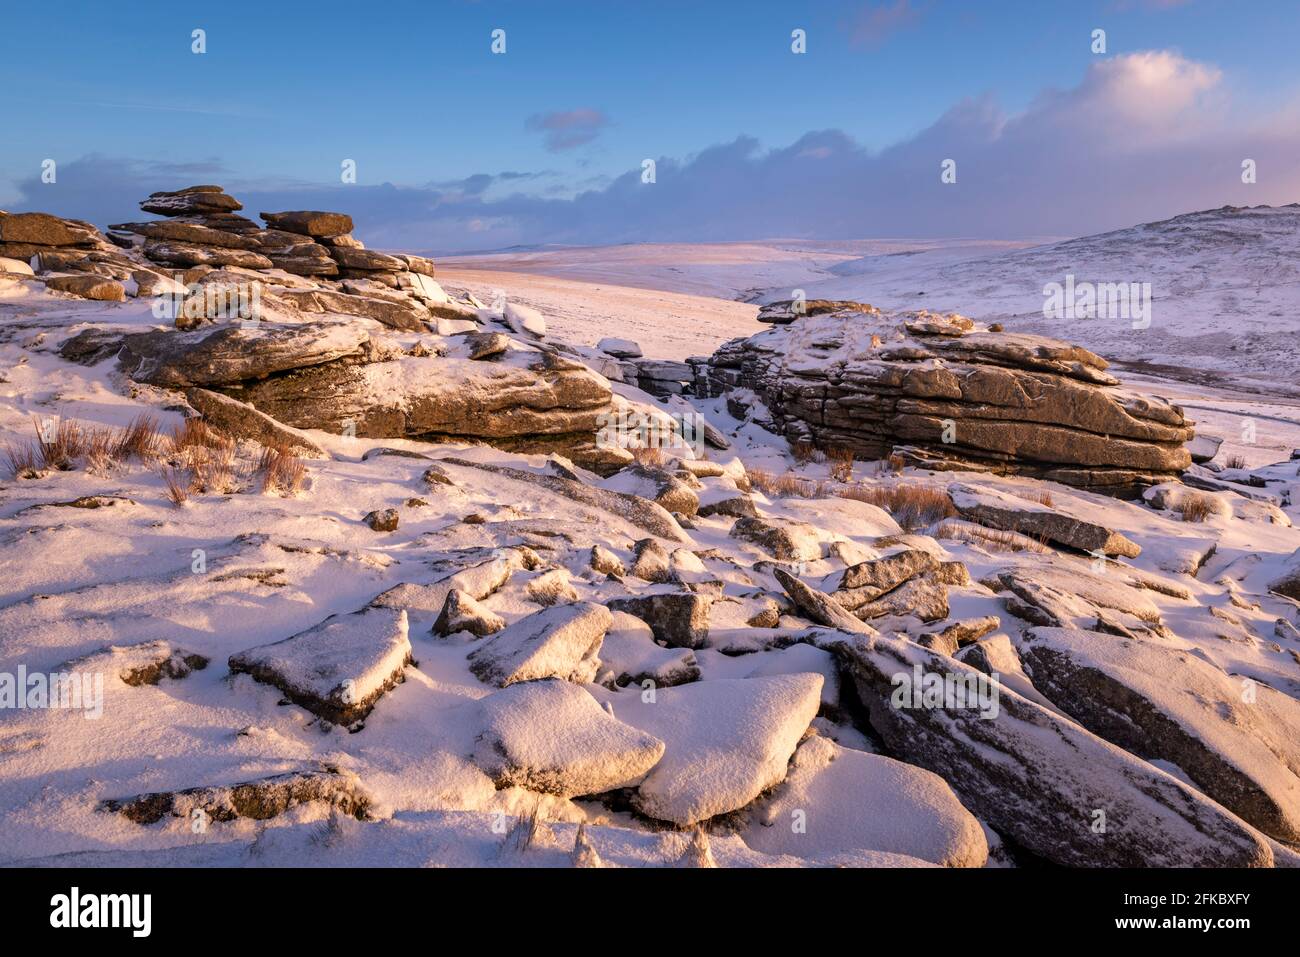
x: 568, y: 129
x: 875, y: 22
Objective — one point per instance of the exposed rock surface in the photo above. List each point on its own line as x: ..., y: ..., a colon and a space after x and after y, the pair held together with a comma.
x: 258, y: 800
x: 1162, y: 702
x: 1041, y: 779
x: 1006, y: 402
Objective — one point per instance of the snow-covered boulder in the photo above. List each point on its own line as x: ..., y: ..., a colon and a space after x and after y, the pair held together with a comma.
x: 619, y: 348
x: 558, y: 642
x: 337, y: 669
x: 629, y: 655
x: 836, y: 799
x: 524, y: 319
x: 727, y: 741
x: 554, y: 737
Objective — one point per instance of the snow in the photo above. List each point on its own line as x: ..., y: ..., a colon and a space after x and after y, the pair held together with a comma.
x: 727, y: 741
x: 835, y: 798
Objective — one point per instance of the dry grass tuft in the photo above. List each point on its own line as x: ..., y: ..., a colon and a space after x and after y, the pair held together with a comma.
x: 841, y: 460
x: 100, y: 447
x: 281, y: 471
x: 177, y: 482
x: 913, y: 506
x: 1235, y: 462
x: 59, y: 444
x: 649, y: 456
x: 1196, y: 508
x: 139, y: 440
x: 990, y: 538
x: 802, y: 452
x: 788, y: 485
x: 1042, y: 497
x: 22, y: 461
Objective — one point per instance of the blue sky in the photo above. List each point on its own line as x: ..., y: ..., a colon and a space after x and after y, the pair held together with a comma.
x: 585, y: 91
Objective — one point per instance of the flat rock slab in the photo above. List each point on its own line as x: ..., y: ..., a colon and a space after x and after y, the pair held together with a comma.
x: 1164, y: 702
x: 259, y: 800
x: 852, y: 799
x: 310, y: 222
x: 337, y: 669
x: 727, y: 741
x: 994, y: 508
x: 559, y: 642
x: 1034, y: 776
x: 231, y: 354
x: 554, y: 737
x: 1055, y: 596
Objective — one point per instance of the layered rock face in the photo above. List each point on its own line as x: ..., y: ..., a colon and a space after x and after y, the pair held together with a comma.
x: 942, y: 393
x: 317, y: 348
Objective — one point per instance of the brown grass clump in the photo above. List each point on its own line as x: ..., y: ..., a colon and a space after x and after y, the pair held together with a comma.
x: 1042, y: 497
x: 788, y: 485
x: 100, y: 446
x: 991, y: 538
x: 913, y: 506
x: 139, y: 440
x: 1196, y: 508
x: 281, y: 471
x: 802, y: 452
x: 22, y: 461
x: 1235, y: 462
x: 177, y: 483
x: 841, y: 460
x: 649, y: 456
x: 59, y: 444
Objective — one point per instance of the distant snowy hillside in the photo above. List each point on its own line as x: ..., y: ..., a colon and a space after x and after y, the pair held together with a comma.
x: 1225, y: 285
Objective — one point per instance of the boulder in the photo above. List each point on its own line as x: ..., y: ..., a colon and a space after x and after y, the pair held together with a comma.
x: 560, y: 642
x: 192, y: 233
x: 146, y: 663
x: 629, y: 655
x: 310, y: 222
x: 175, y: 253
x: 1042, y: 780
x: 678, y: 619
x: 88, y: 287
x: 619, y: 348
x: 42, y: 229
x: 233, y: 354
x: 945, y: 397
x: 552, y: 736
x: 337, y: 669
x: 835, y: 799
x: 785, y: 540
x: 257, y: 800
x: 999, y: 509
x: 365, y: 259
x: 1164, y: 702
x: 727, y: 741
x: 242, y: 421
x: 403, y: 315
x: 461, y: 612
x: 193, y: 200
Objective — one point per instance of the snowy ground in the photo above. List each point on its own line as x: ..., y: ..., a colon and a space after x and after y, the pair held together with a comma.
x: 75, y: 580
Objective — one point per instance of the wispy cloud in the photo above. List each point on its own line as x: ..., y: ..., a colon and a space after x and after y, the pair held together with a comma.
x: 568, y: 129
x: 876, y: 22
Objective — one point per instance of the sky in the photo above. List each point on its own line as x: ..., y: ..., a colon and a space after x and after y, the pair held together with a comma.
x: 459, y: 147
